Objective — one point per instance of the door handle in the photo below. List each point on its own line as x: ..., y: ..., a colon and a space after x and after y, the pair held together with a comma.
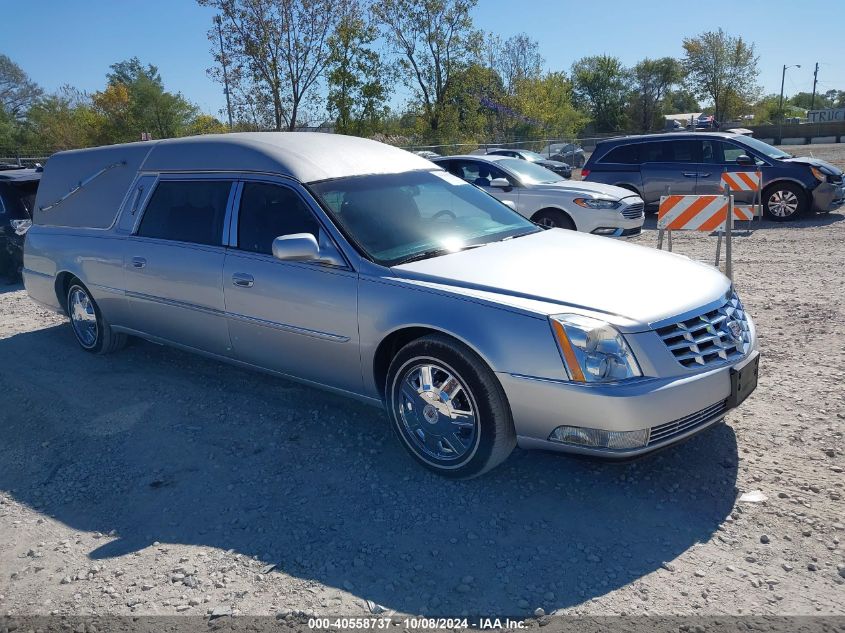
x: 707, y: 175
x: 139, y: 262
x: 690, y: 174
x: 242, y: 280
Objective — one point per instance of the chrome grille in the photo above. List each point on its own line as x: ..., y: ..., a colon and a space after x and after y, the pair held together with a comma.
x: 716, y: 336
x: 663, y: 432
x: 634, y: 211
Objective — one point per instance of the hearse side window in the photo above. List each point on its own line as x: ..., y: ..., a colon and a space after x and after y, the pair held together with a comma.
x: 187, y: 211
x: 268, y: 211
x: 624, y: 155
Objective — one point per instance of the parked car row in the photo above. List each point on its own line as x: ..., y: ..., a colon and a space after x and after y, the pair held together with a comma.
x: 692, y: 164
x: 369, y: 271
x: 549, y: 199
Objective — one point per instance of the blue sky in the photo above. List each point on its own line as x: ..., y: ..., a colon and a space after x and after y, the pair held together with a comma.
x: 74, y: 42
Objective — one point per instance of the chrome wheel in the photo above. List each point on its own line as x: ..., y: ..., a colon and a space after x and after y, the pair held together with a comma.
x: 783, y: 203
x: 83, y: 317
x: 437, y: 411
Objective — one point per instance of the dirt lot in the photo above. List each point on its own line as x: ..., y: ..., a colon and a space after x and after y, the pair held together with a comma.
x: 155, y: 482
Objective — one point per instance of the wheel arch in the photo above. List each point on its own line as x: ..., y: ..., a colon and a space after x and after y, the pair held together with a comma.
x: 62, y: 285
x: 629, y: 187
x: 560, y: 209
x: 390, y: 345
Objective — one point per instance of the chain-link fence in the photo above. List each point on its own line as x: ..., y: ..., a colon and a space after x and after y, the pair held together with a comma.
x: 23, y: 157
x: 574, y: 151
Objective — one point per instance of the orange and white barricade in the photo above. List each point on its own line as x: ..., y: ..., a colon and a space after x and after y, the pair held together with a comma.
x: 692, y: 213
x: 742, y: 181
x: 700, y: 213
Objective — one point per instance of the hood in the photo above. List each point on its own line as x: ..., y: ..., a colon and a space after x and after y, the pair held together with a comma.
x: 584, y: 187
x: 556, y: 270
x: 815, y: 162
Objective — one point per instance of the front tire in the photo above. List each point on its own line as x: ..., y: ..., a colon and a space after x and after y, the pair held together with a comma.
x: 554, y: 219
x: 784, y: 201
x: 448, y: 409
x: 92, y: 331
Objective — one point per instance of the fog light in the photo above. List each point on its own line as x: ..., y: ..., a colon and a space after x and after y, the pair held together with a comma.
x: 599, y: 438
x: 604, y: 230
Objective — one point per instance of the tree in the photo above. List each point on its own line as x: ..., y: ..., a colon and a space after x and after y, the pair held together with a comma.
x: 601, y: 84
x: 516, y: 59
x: 829, y: 99
x: 652, y: 79
x: 356, y: 74
x: 723, y: 69
x: 18, y: 93
x: 278, y: 49
x: 434, y: 40
x: 680, y: 101
x: 65, y: 120
x: 135, y: 101
x: 546, y: 103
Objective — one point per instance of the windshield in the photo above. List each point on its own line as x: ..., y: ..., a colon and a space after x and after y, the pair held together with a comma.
x: 529, y: 173
x: 396, y: 218
x: 532, y: 156
x: 763, y: 148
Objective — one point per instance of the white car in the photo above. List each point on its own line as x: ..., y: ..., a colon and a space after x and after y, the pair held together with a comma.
x: 549, y: 199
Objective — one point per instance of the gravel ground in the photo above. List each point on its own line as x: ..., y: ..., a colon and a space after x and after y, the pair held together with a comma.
x: 156, y: 482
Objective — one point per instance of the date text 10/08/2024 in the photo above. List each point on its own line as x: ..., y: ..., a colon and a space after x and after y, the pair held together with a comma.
x: 414, y: 623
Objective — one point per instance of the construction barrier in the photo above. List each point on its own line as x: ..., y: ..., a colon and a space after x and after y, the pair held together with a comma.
x: 742, y: 180
x: 692, y: 213
x: 701, y: 213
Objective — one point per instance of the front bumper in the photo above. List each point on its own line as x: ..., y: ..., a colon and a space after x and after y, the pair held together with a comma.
x: 828, y: 196
x: 672, y: 409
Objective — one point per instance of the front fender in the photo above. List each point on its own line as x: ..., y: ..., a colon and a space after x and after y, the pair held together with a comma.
x: 509, y: 341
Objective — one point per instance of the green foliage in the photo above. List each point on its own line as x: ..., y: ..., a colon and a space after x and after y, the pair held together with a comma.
x: 680, y: 101
x: 829, y: 99
x: 651, y: 81
x: 547, y: 103
x: 723, y: 69
x: 356, y: 75
x: 601, y: 86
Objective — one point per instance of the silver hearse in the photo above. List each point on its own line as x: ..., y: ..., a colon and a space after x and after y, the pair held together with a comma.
x: 367, y: 270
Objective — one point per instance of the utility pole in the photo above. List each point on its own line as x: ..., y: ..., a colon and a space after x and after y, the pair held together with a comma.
x: 815, y: 81
x: 219, y: 22
x: 780, y: 104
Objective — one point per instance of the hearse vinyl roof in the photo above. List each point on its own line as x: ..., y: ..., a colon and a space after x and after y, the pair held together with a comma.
x: 306, y: 156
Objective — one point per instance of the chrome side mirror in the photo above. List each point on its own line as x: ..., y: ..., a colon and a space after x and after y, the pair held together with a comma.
x: 743, y: 159
x: 302, y: 247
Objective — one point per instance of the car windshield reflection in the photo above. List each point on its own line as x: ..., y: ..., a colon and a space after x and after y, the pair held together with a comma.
x: 398, y: 218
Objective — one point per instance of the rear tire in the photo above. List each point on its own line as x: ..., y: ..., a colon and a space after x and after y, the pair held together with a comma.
x: 92, y: 331
x: 784, y: 201
x: 448, y: 409
x: 554, y: 219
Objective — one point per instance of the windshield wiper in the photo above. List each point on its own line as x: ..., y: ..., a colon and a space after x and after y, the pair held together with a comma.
x: 434, y: 252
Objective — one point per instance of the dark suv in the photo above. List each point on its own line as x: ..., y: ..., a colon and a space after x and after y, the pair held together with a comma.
x: 654, y: 165
x: 17, y: 198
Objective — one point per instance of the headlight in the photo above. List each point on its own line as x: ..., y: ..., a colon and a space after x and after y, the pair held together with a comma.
x: 593, y: 351
x: 818, y: 173
x: 597, y: 203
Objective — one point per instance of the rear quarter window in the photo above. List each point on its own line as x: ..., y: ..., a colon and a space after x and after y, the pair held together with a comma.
x: 187, y: 211
x: 623, y: 155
